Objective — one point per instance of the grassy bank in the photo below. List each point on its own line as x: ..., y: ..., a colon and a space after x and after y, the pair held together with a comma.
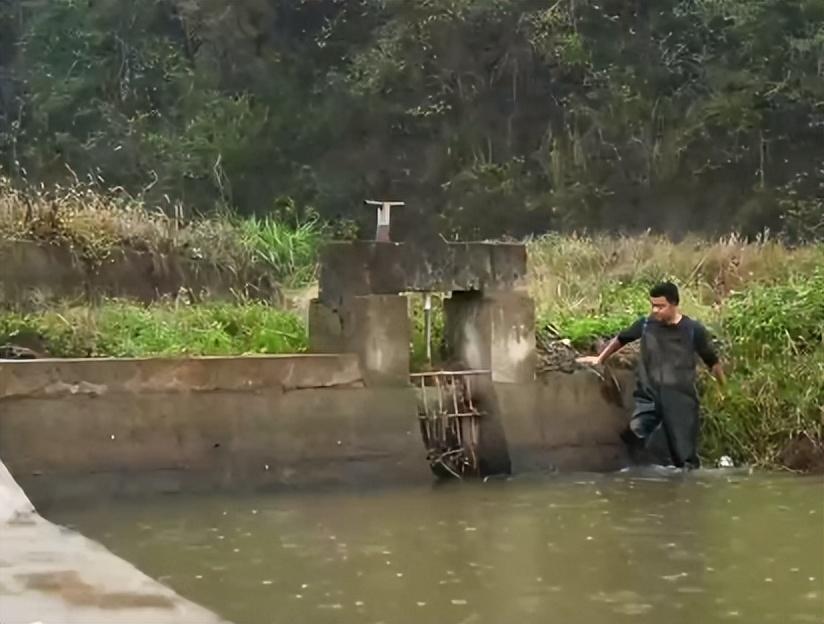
x: 93, y: 223
x: 763, y: 302
x: 124, y: 329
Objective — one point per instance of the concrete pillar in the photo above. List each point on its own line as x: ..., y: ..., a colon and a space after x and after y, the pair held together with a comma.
x: 494, y: 331
x: 376, y: 327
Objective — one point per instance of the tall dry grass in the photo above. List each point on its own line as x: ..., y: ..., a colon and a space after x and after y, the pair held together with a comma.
x: 93, y: 223
x: 576, y: 274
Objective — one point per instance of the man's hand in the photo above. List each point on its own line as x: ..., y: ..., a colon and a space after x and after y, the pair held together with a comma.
x: 718, y: 373
x: 597, y: 360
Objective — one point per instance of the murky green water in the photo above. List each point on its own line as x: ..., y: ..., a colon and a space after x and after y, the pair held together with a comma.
x: 634, y: 547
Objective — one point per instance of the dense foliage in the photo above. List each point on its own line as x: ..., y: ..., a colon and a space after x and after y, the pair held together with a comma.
x: 488, y: 116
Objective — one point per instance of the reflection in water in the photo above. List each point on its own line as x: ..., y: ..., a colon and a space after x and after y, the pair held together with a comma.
x: 640, y: 547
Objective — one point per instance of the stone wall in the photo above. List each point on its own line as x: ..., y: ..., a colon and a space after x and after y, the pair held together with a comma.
x: 33, y: 274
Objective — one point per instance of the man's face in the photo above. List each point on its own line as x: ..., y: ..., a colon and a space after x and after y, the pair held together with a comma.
x: 662, y: 310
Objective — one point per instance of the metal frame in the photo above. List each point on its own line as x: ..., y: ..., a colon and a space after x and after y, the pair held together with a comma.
x: 451, y: 431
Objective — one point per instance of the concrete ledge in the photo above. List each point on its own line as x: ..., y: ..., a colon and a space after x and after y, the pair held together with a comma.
x: 32, y: 273
x: 61, y: 378
x: 51, y: 575
x: 371, y: 268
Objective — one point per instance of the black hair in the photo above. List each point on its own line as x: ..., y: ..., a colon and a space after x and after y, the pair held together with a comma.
x: 668, y: 290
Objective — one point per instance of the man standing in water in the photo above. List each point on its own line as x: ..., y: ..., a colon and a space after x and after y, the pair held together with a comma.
x: 665, y: 394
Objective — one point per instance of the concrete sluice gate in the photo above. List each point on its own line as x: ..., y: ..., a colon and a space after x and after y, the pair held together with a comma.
x: 488, y: 412
x: 349, y: 413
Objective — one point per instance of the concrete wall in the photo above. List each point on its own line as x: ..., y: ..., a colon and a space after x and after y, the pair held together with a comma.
x: 492, y: 331
x: 32, y: 274
x: 349, y: 269
x: 559, y: 422
x: 375, y: 327
x: 84, y: 427
x: 566, y: 422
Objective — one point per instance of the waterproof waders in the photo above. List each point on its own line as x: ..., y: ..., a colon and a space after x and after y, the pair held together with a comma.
x: 666, y: 395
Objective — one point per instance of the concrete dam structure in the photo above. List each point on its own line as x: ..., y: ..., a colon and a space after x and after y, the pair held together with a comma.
x: 348, y: 413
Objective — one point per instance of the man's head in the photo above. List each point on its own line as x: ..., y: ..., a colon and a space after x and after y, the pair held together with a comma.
x: 664, y: 300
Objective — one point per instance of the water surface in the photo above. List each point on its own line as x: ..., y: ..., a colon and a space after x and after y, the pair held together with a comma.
x: 644, y: 547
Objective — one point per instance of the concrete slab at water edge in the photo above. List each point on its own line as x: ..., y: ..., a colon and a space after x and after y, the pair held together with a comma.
x: 52, y: 575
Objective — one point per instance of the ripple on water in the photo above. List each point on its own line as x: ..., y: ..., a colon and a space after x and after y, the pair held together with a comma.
x: 633, y: 608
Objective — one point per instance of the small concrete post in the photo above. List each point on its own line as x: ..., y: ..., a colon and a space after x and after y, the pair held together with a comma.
x: 427, y: 311
x: 384, y: 216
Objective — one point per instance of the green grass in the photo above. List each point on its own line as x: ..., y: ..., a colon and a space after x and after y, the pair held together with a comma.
x: 123, y: 329
x: 417, y: 318
x: 290, y: 251
x: 773, y: 337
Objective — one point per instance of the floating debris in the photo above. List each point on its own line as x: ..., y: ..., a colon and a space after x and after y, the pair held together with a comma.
x: 675, y: 577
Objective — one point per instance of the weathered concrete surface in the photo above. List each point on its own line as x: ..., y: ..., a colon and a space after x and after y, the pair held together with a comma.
x: 364, y: 268
x: 51, y: 575
x: 376, y: 327
x: 564, y: 422
x: 83, y: 428
x: 33, y: 274
x: 79, y: 429
x: 560, y: 422
x: 492, y: 331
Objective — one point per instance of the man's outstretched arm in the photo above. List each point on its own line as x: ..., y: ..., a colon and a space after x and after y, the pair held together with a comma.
x: 630, y: 334
x: 612, y: 347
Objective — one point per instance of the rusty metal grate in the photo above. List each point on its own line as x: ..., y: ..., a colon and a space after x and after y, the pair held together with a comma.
x: 450, y: 421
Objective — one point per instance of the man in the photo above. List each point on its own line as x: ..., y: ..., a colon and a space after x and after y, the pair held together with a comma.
x: 665, y: 394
